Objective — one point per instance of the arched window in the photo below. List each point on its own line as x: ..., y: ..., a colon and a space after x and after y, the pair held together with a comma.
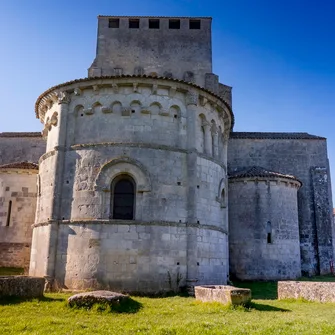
x: 123, y: 198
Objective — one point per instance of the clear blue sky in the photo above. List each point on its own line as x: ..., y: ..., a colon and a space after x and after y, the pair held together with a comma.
x: 279, y: 56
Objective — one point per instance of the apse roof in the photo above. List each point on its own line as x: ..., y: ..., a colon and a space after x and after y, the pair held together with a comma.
x: 269, y: 135
x: 20, y: 165
x: 21, y: 134
x: 258, y: 171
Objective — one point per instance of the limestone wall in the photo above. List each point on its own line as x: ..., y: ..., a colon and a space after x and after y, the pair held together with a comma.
x: 42, y: 241
x: 312, y: 291
x: 134, y: 256
x: 146, y: 129
x: 257, y: 209
x: 297, y: 154
x: 17, y: 214
x: 181, y: 53
x: 46, y: 183
x: 18, y: 147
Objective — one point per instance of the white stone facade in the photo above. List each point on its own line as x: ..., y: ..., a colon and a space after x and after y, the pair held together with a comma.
x: 165, y: 135
x: 264, y: 232
x: 151, y: 114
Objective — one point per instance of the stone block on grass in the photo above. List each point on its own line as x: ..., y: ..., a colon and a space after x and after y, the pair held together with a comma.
x: 21, y: 286
x: 224, y: 294
x: 88, y: 299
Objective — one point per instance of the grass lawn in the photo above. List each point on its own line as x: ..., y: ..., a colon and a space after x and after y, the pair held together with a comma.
x: 166, y: 316
x: 11, y: 271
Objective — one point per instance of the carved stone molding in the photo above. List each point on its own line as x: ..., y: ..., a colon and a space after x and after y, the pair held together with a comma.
x: 126, y: 164
x: 115, y: 88
x: 53, y: 121
x: 154, y: 89
x: 77, y: 91
x: 206, y: 124
x: 172, y: 91
x: 214, y: 130
x: 192, y: 98
x: 203, y: 101
x: 89, y: 111
x: 63, y: 97
x: 106, y: 109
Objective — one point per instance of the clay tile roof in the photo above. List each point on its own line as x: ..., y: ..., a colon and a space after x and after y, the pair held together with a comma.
x: 31, y: 134
x: 82, y: 80
x: 257, y: 171
x: 267, y: 135
x: 20, y: 165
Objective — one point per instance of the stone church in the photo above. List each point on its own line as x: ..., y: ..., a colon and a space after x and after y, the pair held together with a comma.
x: 138, y: 182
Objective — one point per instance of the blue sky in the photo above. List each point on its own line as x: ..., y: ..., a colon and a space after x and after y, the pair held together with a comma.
x: 279, y: 56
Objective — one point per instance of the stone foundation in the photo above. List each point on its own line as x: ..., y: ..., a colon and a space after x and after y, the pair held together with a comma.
x: 222, y: 293
x: 129, y: 256
x: 312, y: 291
x: 21, y: 286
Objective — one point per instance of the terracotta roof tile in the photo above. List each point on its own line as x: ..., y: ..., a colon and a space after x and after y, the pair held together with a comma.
x: 26, y: 134
x: 20, y: 165
x: 258, y: 171
x: 82, y: 80
x: 268, y: 135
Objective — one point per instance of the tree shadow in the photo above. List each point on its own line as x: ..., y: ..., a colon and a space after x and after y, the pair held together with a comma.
x: 266, y: 308
x: 13, y: 300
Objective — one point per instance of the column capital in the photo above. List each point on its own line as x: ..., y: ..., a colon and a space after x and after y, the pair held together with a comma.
x: 206, y: 124
x: 63, y: 97
x: 192, y: 98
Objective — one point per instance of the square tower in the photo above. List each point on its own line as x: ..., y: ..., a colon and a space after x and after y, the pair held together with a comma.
x: 173, y: 47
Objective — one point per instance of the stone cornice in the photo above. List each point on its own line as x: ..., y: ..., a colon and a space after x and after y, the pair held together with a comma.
x: 133, y: 223
x: 130, y: 145
x: 109, y: 81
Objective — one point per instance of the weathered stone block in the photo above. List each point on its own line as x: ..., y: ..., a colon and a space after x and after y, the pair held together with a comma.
x: 222, y: 293
x: 21, y: 286
x: 312, y: 291
x: 88, y: 299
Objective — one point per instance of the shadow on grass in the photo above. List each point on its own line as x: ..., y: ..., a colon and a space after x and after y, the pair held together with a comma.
x: 10, y: 300
x: 160, y: 295
x: 260, y: 290
x: 266, y: 308
x: 129, y: 306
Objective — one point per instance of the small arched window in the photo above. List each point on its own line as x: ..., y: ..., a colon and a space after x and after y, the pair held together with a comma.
x: 123, y: 198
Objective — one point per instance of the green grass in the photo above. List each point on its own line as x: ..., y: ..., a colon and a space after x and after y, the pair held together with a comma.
x: 168, y: 316
x: 260, y: 290
x: 11, y: 271
x: 324, y: 278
